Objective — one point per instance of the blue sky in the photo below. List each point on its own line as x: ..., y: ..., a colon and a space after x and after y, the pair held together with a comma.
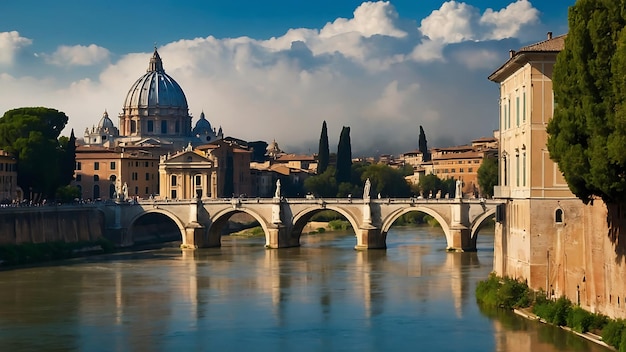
x: 277, y: 69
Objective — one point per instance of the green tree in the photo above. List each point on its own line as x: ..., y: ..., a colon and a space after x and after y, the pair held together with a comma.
x: 423, y: 145
x: 488, y: 176
x: 31, y: 136
x: 386, y: 181
x: 323, y: 154
x: 429, y: 185
x: 67, y: 159
x: 344, y: 157
x: 587, y: 135
x: 322, y: 185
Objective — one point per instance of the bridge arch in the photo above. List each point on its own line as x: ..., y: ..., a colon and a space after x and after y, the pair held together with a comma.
x: 393, y: 216
x: 178, y: 223
x: 301, y: 218
x: 220, y: 219
x: 479, y: 222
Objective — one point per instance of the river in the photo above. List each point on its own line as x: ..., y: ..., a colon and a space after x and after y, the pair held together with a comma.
x: 322, y: 296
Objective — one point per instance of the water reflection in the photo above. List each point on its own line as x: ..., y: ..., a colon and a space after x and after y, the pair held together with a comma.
x: 321, y: 296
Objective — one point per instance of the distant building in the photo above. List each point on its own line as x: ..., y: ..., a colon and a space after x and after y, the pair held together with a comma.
x: 101, y: 172
x: 9, y: 190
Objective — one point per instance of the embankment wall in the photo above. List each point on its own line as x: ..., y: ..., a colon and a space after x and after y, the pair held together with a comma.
x: 50, y: 224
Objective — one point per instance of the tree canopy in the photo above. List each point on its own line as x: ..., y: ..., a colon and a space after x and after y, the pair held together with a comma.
x: 488, y: 176
x: 323, y: 155
x: 587, y: 134
x: 423, y: 145
x: 344, y: 156
x: 31, y: 135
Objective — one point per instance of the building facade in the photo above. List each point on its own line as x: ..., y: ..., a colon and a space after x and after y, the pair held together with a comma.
x: 9, y: 190
x: 544, y: 234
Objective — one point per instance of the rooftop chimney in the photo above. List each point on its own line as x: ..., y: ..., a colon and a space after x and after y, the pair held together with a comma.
x: 511, y: 53
x: 549, y: 35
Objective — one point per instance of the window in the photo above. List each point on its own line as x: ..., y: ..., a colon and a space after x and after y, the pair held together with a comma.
x: 524, y: 169
x: 150, y: 126
x: 164, y: 127
x: 470, y: 170
x: 145, y: 164
x: 79, y: 177
x: 517, y: 114
x: 147, y: 190
x: 96, y: 166
x: 147, y: 176
x: 517, y: 169
x: 524, y: 105
x: 96, y: 178
x: 461, y: 170
x: 177, y: 126
x: 134, y: 176
x: 133, y: 126
x: 198, y: 180
x: 112, y: 178
x: 558, y: 216
x: 173, y: 194
x: 112, y: 165
x: 173, y: 181
x: 78, y: 165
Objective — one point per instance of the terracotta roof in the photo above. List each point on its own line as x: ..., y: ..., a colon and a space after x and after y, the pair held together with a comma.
x: 485, y: 139
x: 550, y: 44
x: 294, y: 157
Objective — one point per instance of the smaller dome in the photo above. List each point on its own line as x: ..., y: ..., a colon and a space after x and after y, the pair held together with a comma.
x: 105, y: 122
x: 203, y: 126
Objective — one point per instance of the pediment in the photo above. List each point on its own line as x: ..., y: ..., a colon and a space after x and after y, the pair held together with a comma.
x: 187, y: 157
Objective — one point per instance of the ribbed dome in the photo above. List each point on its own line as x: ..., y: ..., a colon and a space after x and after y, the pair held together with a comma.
x: 203, y: 126
x: 105, y: 122
x: 155, y: 89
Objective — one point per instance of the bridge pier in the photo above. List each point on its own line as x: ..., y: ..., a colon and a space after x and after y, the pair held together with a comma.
x: 196, y: 237
x: 370, y: 238
x: 279, y: 236
x: 460, y: 239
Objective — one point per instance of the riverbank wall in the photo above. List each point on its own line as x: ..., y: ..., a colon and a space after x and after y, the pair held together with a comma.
x: 50, y: 224
x: 567, y: 249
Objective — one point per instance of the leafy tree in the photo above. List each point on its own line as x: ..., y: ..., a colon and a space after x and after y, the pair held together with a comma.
x: 323, y: 155
x: 423, y: 145
x: 430, y: 184
x: 68, y: 159
x: 587, y: 135
x: 386, y: 181
x: 322, y: 185
x: 30, y: 135
x: 344, y: 156
x: 488, y: 176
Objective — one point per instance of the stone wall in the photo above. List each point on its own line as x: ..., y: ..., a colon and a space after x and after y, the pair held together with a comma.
x: 50, y: 224
x: 582, y: 257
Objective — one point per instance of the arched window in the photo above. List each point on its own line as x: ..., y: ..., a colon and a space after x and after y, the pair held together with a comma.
x: 96, y: 192
x: 111, y: 191
x: 96, y: 178
x: 558, y: 216
x: 112, y: 178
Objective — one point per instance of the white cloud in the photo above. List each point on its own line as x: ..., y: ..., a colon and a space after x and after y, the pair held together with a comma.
x: 10, y: 44
x: 370, y: 18
x: 369, y: 72
x: 508, y: 21
x: 452, y: 23
x: 78, y: 55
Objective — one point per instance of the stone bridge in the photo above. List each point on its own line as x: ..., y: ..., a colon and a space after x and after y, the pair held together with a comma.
x: 200, y: 221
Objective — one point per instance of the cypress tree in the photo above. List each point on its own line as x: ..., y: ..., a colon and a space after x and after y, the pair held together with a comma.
x: 68, y: 161
x: 423, y: 145
x: 344, y: 156
x: 323, y: 155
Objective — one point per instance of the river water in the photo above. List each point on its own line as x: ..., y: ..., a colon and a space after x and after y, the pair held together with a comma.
x: 322, y: 296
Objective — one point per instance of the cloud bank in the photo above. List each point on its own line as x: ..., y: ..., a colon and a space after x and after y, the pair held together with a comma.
x: 379, y: 73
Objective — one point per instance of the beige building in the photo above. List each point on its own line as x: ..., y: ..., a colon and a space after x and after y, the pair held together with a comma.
x: 215, y: 170
x: 9, y: 191
x: 544, y: 234
x: 101, y: 172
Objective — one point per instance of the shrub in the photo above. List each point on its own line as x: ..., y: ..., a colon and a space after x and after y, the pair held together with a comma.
x: 503, y: 293
x: 613, y: 333
x: 339, y: 225
x: 579, y: 319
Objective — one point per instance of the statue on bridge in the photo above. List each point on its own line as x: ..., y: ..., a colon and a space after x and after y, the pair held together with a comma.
x: 366, y: 190
x: 277, y: 193
x: 458, y: 194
